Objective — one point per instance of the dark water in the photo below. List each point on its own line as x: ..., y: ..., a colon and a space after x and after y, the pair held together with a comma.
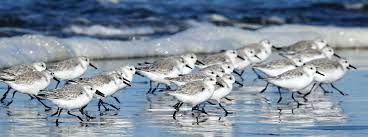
x: 170, y: 16
x: 254, y: 114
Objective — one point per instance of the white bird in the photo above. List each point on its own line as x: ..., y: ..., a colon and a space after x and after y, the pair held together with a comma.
x: 72, y: 96
x: 69, y: 69
x: 294, y: 80
x: 333, y: 71
x: 219, y: 58
x: 222, y: 91
x: 30, y: 83
x: 304, y: 45
x: 193, y: 93
x: 277, y: 67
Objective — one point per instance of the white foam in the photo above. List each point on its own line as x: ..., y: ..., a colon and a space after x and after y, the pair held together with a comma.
x: 203, y: 38
x: 99, y: 30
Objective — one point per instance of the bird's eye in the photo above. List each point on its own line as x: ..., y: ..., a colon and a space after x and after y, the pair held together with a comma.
x: 228, y: 66
x: 346, y: 61
x: 300, y: 60
x: 211, y: 79
x: 251, y: 51
x: 91, y: 88
x: 191, y: 57
x: 311, y: 68
x: 131, y: 69
x: 233, y: 52
x: 212, y: 72
x: 231, y: 78
x: 329, y: 50
x: 223, y: 71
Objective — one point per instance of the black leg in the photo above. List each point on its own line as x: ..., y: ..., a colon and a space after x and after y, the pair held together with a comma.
x: 85, y: 113
x: 239, y: 74
x: 197, y: 118
x: 292, y: 96
x: 5, y: 94
x: 100, y: 102
x: 223, y: 108
x: 177, y: 109
x: 116, y: 99
x: 342, y: 93
x: 258, y: 75
x: 265, y: 88
x: 280, y: 98
x: 11, y: 101
x: 229, y: 99
x: 57, y: 120
x: 176, y: 105
x: 158, y: 85
x: 47, y: 108
x: 75, y: 116
x: 56, y: 112
x: 310, y: 91
x: 99, y: 105
x: 150, y: 84
x: 324, y: 90
x: 57, y: 82
x: 111, y: 105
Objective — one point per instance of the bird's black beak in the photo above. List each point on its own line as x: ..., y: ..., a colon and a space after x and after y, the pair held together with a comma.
x: 188, y: 66
x: 92, y: 65
x: 240, y: 84
x: 337, y: 56
x: 276, y: 48
x: 220, y: 84
x: 126, y: 80
x: 240, y: 57
x: 100, y: 93
x: 127, y: 83
x: 257, y: 57
x: 351, y: 66
x: 199, y: 63
x: 320, y: 73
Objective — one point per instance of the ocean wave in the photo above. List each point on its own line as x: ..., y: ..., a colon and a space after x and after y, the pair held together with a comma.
x: 203, y: 38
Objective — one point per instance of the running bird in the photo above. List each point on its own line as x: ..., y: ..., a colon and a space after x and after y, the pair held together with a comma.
x: 159, y: 70
x: 309, y: 55
x: 194, y: 93
x: 72, y: 96
x: 69, y: 69
x: 219, y: 58
x: 13, y: 71
x: 30, y: 83
x: 294, y: 80
x: 183, y: 79
x: 262, y: 50
x: 107, y: 84
x: 277, y: 67
x: 222, y: 91
x: 223, y: 68
x: 333, y: 71
x: 249, y: 56
x: 304, y: 45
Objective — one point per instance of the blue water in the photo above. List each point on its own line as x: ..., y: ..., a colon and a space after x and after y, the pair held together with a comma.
x: 170, y: 16
x: 254, y: 114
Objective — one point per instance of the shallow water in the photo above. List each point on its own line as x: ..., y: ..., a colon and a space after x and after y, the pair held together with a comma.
x: 254, y: 114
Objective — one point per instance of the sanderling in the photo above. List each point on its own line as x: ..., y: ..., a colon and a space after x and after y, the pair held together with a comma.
x: 72, y: 96
x: 277, y: 67
x: 194, y: 93
x: 69, y: 69
x: 183, y: 79
x: 221, y: 92
x: 223, y: 68
x: 333, y: 70
x: 13, y: 71
x: 159, y: 70
x: 309, y: 55
x: 107, y: 84
x: 262, y: 50
x: 29, y: 83
x: 294, y: 80
x: 219, y: 58
x: 304, y: 45
x: 190, y: 60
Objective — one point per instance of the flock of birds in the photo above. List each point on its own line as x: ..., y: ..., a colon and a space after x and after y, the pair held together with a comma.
x: 191, y: 80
